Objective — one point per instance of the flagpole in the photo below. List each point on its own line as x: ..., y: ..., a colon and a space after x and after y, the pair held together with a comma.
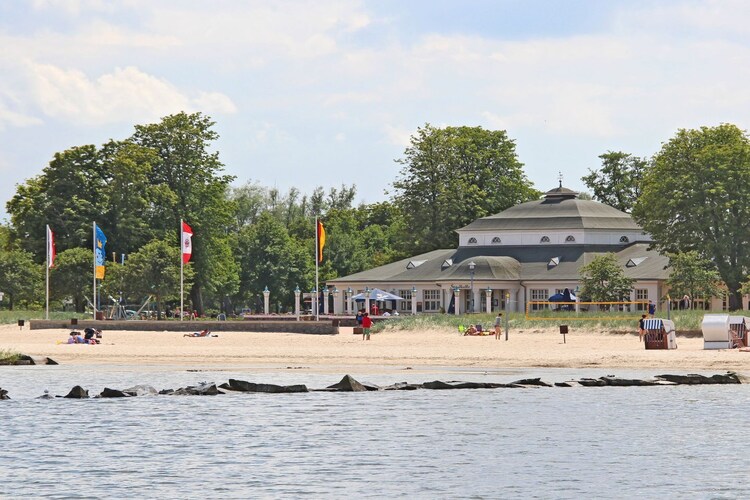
x: 182, y: 264
x: 46, y: 311
x: 93, y: 246
x: 317, y: 255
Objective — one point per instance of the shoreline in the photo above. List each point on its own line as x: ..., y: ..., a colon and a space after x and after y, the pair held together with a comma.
x: 536, y: 348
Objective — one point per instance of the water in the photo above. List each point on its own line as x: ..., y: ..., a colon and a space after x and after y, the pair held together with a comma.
x: 656, y: 442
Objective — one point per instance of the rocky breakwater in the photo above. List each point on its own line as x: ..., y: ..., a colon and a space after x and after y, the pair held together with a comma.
x: 350, y: 384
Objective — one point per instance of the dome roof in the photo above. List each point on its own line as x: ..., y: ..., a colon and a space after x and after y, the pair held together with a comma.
x: 560, y: 209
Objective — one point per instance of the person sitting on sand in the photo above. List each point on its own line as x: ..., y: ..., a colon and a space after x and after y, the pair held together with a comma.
x: 472, y: 330
x: 72, y: 338
x: 202, y: 333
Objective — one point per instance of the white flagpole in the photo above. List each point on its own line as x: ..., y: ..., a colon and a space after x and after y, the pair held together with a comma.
x: 182, y: 264
x: 317, y: 253
x: 93, y: 304
x: 46, y: 313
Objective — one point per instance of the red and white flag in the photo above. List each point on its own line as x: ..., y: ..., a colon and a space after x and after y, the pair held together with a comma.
x: 187, y: 243
x: 50, y: 248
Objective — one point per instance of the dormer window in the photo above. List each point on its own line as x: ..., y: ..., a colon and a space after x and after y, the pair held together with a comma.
x: 553, y: 262
x: 570, y: 239
x: 496, y: 240
x: 447, y: 263
x: 414, y: 263
x: 472, y: 241
x: 545, y: 239
x: 624, y: 239
x: 635, y: 261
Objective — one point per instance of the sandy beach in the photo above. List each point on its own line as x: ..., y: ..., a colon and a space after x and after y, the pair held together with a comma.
x: 537, y: 348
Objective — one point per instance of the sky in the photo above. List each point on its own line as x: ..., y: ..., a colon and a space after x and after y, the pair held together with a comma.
x: 328, y: 92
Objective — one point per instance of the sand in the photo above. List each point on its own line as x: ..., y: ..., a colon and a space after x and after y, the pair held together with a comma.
x: 532, y: 348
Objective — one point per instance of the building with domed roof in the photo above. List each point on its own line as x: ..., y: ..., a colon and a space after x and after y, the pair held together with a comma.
x: 525, y: 253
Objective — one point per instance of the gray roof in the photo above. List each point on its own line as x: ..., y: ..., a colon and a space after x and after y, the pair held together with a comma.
x: 513, y: 263
x: 556, y: 212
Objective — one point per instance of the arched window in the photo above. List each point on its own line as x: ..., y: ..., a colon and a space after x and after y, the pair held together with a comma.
x: 545, y: 239
x: 624, y: 239
x: 496, y: 240
x: 472, y: 241
x: 570, y: 239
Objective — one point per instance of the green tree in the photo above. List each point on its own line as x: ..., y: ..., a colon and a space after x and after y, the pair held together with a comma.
x: 191, y: 173
x: 618, y: 182
x: 604, y: 280
x: 73, y: 276
x: 454, y: 175
x: 269, y: 257
x: 68, y: 195
x: 693, y: 276
x: 155, y: 270
x: 20, y: 277
x: 697, y: 197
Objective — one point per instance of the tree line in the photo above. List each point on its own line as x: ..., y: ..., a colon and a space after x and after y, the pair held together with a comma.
x: 246, y: 237
x: 692, y: 196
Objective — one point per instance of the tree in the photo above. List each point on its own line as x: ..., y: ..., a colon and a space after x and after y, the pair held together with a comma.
x: 452, y: 176
x: 73, y: 276
x: 155, y: 270
x: 604, y: 280
x: 693, y: 276
x: 696, y: 196
x: 191, y: 174
x: 20, y: 277
x: 618, y: 183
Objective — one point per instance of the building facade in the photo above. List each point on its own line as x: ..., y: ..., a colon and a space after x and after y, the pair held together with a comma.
x: 525, y: 253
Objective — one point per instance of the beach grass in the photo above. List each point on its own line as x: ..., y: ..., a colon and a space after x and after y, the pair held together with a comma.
x: 11, y: 317
x: 9, y: 357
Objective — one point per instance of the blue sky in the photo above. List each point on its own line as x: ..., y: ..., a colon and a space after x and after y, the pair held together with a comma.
x: 308, y: 93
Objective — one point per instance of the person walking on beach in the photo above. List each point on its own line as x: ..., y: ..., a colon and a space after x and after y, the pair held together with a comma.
x: 651, y: 308
x: 498, y: 325
x: 642, y: 327
x: 366, y: 325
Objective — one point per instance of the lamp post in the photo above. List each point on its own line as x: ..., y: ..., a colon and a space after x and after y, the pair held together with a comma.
x: 472, y: 265
x: 413, y: 301
x: 488, y: 299
x: 296, y: 301
x: 266, y: 293
x: 349, y: 300
x: 335, y: 300
x: 456, y: 292
x: 325, y: 300
x: 367, y: 299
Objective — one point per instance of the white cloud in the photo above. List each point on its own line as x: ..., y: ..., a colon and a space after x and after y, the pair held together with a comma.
x: 126, y: 94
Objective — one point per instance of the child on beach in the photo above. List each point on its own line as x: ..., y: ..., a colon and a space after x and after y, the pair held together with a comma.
x: 641, y: 327
x: 366, y: 325
x: 498, y: 325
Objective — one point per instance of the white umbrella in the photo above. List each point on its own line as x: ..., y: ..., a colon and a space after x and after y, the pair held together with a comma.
x: 377, y: 294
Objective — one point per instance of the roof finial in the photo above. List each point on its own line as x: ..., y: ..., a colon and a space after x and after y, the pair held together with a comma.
x: 559, y: 178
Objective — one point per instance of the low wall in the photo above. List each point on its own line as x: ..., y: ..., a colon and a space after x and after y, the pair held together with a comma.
x: 308, y: 327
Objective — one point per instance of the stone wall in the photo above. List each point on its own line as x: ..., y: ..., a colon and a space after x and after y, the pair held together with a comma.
x: 330, y: 327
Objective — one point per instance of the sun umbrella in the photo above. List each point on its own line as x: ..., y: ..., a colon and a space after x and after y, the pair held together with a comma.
x: 377, y: 294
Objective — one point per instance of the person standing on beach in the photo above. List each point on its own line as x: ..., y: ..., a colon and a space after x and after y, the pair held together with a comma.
x: 498, y: 325
x: 651, y: 308
x: 366, y: 325
x: 642, y: 327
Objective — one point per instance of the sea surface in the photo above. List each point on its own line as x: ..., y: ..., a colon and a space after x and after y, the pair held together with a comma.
x: 649, y: 442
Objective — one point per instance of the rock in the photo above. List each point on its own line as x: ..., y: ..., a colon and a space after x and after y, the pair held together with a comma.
x: 4, y: 394
x: 348, y: 384
x: 562, y: 384
x: 166, y: 392
x: 243, y: 386
x: 626, y: 382
x: 113, y: 393
x: 141, y: 390
x: 437, y: 384
x: 46, y: 395
x: 696, y: 379
x: 51, y: 361
x: 77, y: 392
x: 402, y: 386
x: 532, y: 381
x: 592, y: 382
x: 202, y: 389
